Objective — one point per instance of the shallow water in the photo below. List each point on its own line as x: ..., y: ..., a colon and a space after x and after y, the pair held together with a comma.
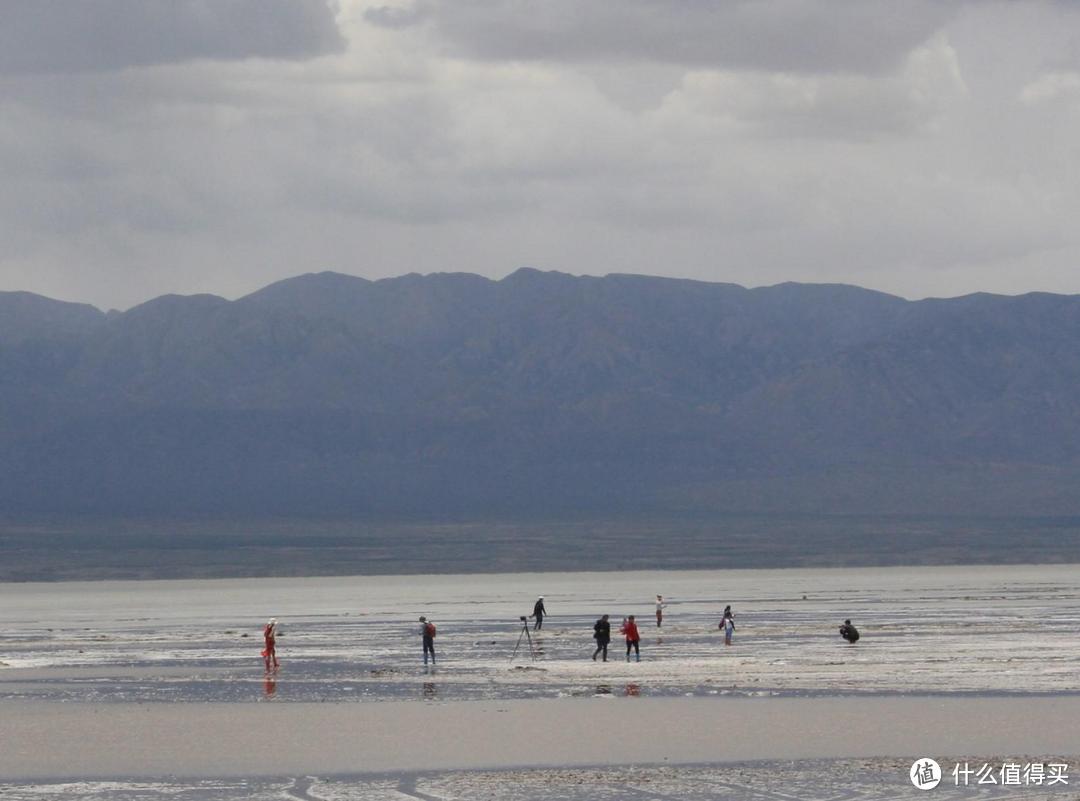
x: 1000, y: 629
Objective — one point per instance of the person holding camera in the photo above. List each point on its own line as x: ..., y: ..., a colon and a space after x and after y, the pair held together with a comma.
x: 427, y: 633
x: 849, y: 632
x: 269, y: 654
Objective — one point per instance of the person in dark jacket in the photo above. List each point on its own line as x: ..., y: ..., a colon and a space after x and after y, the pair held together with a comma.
x: 602, y: 635
x: 427, y: 634
x: 538, y: 612
x: 849, y: 632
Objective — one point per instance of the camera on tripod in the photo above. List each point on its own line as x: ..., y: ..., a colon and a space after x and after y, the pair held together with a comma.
x: 524, y: 634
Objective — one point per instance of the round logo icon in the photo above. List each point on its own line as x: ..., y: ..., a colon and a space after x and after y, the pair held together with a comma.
x: 925, y: 773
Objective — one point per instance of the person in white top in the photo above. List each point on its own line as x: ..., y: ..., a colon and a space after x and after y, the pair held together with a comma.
x: 728, y: 624
x: 660, y: 610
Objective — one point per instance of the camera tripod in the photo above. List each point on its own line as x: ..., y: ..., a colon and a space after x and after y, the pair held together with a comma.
x: 524, y: 634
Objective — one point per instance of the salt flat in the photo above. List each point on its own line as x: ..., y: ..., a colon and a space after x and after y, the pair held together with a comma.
x: 1010, y: 629
x: 114, y: 686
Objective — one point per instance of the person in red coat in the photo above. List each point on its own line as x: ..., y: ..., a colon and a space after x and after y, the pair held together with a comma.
x: 269, y: 653
x: 629, y: 630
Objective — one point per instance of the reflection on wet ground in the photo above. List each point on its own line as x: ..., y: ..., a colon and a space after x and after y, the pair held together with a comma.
x: 940, y: 630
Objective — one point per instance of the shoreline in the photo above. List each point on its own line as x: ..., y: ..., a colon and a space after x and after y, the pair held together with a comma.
x: 46, y: 740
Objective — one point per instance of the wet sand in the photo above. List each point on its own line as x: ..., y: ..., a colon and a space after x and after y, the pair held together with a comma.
x: 49, y: 740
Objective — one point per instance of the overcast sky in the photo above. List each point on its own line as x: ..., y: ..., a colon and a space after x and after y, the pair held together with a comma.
x: 926, y: 147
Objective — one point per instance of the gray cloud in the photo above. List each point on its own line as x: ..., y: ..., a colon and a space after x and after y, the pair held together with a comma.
x: 786, y: 35
x: 397, y: 16
x: 944, y: 164
x: 48, y: 36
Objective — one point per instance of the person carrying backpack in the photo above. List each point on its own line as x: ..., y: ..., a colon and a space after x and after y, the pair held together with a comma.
x: 427, y: 632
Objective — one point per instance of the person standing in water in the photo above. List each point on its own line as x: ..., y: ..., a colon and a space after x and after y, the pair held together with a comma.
x: 633, y: 639
x: 602, y: 635
x: 269, y: 653
x: 660, y: 610
x: 849, y: 632
x: 727, y: 624
x: 427, y: 633
x: 538, y: 612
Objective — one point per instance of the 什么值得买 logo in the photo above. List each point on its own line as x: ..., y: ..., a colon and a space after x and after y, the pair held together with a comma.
x: 925, y: 773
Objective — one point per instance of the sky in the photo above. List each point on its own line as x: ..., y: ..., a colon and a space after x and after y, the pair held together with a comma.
x: 923, y: 148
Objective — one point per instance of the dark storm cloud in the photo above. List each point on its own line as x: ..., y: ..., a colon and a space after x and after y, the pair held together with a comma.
x: 51, y: 36
x: 784, y: 35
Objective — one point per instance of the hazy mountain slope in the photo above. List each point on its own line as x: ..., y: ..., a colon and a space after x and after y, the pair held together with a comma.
x: 25, y: 316
x: 541, y: 394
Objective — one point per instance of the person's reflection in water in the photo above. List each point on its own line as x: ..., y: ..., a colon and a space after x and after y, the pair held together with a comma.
x: 270, y: 687
x: 632, y: 690
x: 431, y: 692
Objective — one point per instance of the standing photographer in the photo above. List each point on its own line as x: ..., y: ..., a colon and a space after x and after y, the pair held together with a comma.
x: 427, y: 633
x: 538, y: 612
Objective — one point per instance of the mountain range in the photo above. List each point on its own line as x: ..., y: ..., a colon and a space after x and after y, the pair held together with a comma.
x: 541, y: 395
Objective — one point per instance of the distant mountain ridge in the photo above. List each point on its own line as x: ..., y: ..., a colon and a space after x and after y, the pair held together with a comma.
x: 541, y: 394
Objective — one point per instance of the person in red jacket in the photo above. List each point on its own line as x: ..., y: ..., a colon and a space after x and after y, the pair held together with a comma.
x: 269, y: 653
x: 629, y: 629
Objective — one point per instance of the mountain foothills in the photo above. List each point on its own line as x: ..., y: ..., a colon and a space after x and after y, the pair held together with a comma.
x: 540, y: 395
